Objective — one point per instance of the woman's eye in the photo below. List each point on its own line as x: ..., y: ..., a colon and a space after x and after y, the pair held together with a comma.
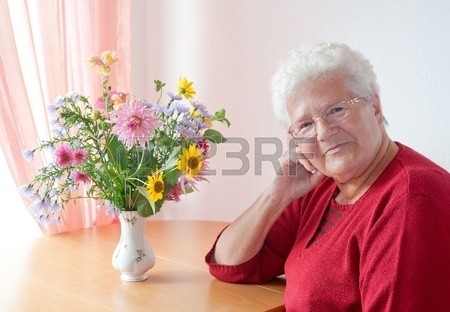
x: 335, y: 110
x: 304, y: 125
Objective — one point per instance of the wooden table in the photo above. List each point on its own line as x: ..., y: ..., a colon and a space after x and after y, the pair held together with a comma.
x: 73, y: 272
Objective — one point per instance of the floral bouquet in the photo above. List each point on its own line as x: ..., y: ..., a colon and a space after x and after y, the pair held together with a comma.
x: 125, y: 152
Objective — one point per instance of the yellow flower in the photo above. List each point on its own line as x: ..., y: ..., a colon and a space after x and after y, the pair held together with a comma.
x: 185, y: 88
x: 194, y: 112
x: 95, y: 61
x: 108, y: 57
x: 208, y: 121
x: 155, y: 186
x: 104, y: 62
x: 190, y: 161
x: 118, y: 98
x: 104, y: 70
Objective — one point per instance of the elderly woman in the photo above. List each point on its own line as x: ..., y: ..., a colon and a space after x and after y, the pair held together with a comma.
x: 356, y: 222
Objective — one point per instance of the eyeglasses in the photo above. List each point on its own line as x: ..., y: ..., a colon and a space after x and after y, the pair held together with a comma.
x: 333, y: 113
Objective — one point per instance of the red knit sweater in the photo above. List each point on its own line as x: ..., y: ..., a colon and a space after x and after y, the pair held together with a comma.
x: 389, y: 251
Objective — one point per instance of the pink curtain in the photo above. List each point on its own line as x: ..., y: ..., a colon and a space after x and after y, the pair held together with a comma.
x: 44, y: 46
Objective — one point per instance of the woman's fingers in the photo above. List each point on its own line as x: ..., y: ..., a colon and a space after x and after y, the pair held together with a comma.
x: 304, y: 160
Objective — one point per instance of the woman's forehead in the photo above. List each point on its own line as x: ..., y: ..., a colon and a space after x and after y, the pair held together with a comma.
x: 314, y: 96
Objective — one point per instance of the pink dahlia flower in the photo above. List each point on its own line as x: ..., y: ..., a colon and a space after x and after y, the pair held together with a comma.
x: 134, y: 123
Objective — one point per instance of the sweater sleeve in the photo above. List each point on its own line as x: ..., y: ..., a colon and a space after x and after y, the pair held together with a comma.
x: 405, y: 262
x: 268, y: 263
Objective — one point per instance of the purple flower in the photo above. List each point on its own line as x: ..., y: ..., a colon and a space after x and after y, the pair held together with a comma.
x: 52, y: 109
x: 111, y: 209
x: 58, y: 129
x: 134, y: 123
x: 174, y: 97
x: 27, y: 191
x: 200, y: 124
x: 59, y: 101
x: 177, y: 107
x: 46, y: 211
x: 28, y: 154
x: 64, y: 156
x: 72, y: 96
x: 201, y: 109
x: 186, y: 130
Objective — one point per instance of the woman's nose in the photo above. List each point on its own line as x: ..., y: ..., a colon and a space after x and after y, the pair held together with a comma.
x: 324, y: 130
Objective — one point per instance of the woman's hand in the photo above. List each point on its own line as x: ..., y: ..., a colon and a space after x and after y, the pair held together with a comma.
x: 297, y: 177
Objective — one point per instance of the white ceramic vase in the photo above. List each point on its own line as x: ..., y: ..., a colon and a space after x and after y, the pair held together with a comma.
x: 133, y: 256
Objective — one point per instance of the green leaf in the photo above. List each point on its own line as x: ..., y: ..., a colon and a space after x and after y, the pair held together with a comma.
x: 117, y: 152
x: 158, y: 85
x: 143, y: 191
x: 145, y: 207
x: 220, y: 116
x: 171, y: 161
x: 145, y: 166
x: 214, y: 136
x: 171, y: 177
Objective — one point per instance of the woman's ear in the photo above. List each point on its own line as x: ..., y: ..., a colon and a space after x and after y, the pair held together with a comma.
x: 376, y: 105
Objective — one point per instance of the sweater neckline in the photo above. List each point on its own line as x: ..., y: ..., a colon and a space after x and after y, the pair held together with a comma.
x: 344, y: 207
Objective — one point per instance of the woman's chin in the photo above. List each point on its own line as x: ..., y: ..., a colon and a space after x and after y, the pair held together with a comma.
x: 340, y: 171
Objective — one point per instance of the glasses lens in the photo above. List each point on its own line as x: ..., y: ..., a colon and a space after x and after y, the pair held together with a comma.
x: 302, y: 129
x: 336, y: 112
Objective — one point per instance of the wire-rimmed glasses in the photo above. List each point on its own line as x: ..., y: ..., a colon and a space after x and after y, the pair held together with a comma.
x: 333, y: 113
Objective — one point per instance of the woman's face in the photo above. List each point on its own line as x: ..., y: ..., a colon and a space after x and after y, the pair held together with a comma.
x: 342, y: 150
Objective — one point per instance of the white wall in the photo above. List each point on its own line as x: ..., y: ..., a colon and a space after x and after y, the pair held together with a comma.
x: 231, y: 48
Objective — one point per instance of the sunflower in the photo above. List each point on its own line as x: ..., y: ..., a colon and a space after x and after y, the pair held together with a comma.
x: 155, y: 187
x: 190, y: 161
x: 185, y: 88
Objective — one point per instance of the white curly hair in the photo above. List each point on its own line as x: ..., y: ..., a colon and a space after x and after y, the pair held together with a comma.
x: 315, y: 62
